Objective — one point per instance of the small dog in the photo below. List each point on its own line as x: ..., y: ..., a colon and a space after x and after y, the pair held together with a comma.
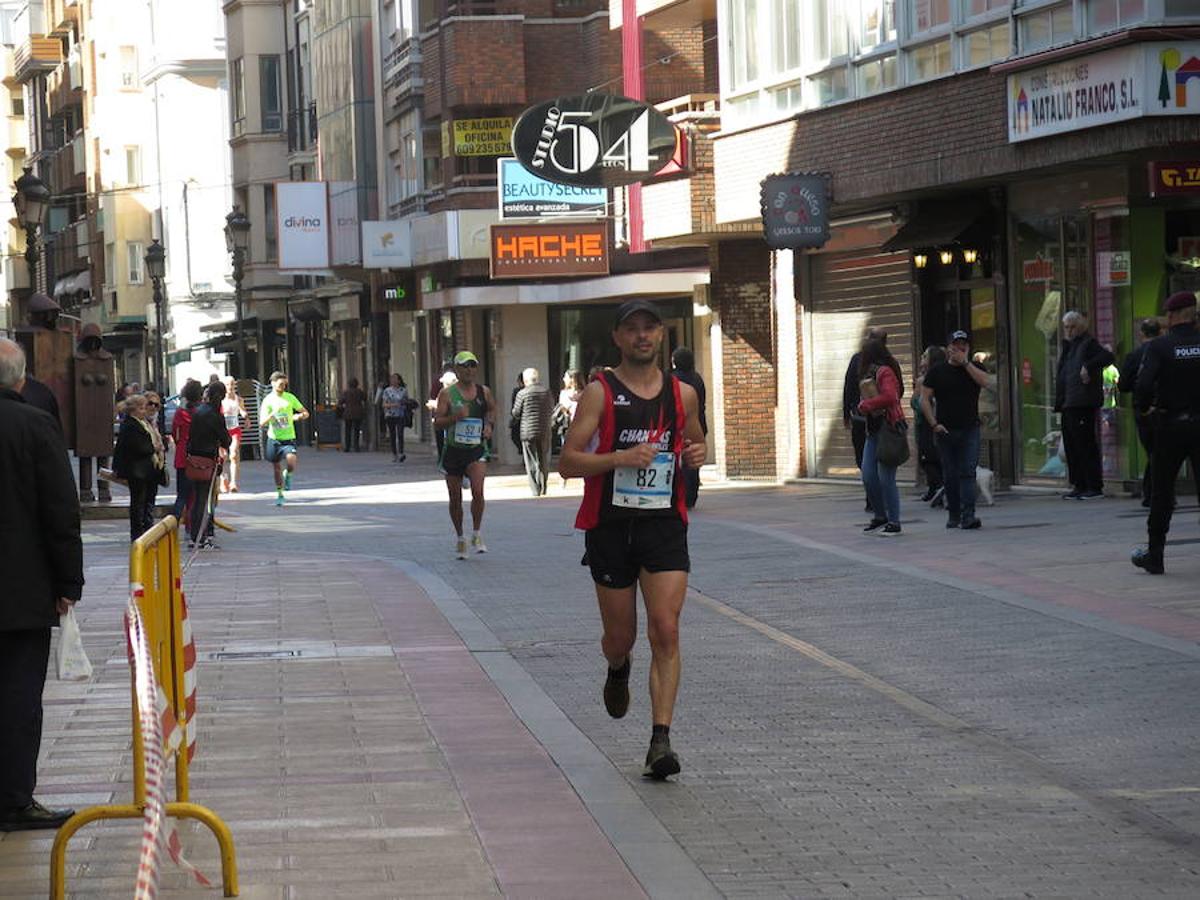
x: 983, y: 485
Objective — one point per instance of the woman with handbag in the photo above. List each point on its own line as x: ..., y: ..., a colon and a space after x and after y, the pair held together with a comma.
x: 207, y: 440
x: 141, y: 459
x: 887, y: 436
x: 189, y: 398
x: 397, y: 414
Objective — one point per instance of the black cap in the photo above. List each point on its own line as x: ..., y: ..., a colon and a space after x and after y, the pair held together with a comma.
x: 628, y: 308
x: 960, y: 335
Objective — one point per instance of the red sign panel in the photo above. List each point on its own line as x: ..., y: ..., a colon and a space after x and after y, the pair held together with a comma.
x: 1174, y: 178
x: 553, y: 249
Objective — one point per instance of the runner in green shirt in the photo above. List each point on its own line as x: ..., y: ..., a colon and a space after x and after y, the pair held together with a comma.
x: 468, y: 413
x: 278, y: 414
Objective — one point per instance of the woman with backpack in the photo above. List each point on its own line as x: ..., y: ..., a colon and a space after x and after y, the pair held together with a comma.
x: 883, y: 386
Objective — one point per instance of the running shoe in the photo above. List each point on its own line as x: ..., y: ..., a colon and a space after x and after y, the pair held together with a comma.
x: 661, y: 760
x: 460, y: 548
x: 616, y: 690
x: 1092, y: 495
x: 874, y: 525
x: 1072, y: 495
x: 403, y: 457
x: 287, y: 480
x: 891, y: 529
x: 971, y: 524
x: 279, y: 498
x: 477, y: 544
x: 209, y: 544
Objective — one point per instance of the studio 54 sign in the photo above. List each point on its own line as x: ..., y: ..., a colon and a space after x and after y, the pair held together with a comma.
x: 597, y: 140
x: 795, y: 210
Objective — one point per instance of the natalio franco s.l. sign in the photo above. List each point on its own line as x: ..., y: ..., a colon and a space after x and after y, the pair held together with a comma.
x: 795, y: 210
x: 550, y: 249
x: 597, y: 140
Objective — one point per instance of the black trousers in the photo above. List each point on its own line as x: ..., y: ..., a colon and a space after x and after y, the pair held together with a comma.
x: 143, y: 494
x: 395, y: 430
x: 1175, y: 440
x: 201, y: 492
x: 928, y: 456
x: 1083, y: 449
x: 23, y: 659
x: 353, y: 440
x: 1145, y: 433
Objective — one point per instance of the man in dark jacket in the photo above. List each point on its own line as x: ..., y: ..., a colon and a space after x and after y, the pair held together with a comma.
x: 532, y: 408
x: 852, y: 419
x: 41, y: 557
x: 1079, y: 392
x: 39, y: 396
x: 683, y: 367
x: 1150, y: 329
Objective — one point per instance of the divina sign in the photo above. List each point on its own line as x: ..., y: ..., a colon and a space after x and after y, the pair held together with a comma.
x: 597, y: 140
x: 305, y: 223
x: 302, y: 220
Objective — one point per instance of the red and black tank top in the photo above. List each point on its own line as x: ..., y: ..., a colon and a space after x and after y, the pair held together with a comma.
x: 629, y: 420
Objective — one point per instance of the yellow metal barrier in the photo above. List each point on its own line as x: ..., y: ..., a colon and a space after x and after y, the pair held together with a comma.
x: 154, y: 564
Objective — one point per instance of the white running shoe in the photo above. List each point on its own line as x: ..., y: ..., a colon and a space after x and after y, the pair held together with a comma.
x: 477, y: 544
x: 460, y: 549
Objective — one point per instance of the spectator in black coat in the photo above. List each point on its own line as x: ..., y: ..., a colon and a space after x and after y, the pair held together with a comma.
x: 38, y: 395
x: 208, y: 438
x: 41, y: 557
x: 1079, y: 393
x: 140, y: 458
x: 683, y: 363
x: 1150, y: 329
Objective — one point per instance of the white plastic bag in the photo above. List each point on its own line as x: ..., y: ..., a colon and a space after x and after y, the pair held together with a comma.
x: 73, y: 664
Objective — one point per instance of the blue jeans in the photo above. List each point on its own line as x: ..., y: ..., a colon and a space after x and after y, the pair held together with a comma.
x: 959, y: 449
x: 880, y: 482
x: 183, y: 493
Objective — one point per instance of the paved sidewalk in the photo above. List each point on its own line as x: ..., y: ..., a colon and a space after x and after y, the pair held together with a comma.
x: 377, y: 760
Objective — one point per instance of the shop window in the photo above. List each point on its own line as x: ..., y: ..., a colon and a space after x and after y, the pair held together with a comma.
x: 929, y: 61
x: 987, y: 45
x: 1108, y: 15
x: 829, y: 87
x: 876, y: 76
x: 928, y: 15
x: 1046, y: 28
x: 877, y: 23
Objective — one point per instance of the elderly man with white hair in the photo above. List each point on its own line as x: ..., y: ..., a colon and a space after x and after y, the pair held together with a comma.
x: 1079, y: 394
x: 533, y: 408
x: 41, y: 557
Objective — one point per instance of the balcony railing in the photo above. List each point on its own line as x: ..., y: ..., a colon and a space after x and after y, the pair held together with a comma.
x: 38, y: 54
x: 302, y: 128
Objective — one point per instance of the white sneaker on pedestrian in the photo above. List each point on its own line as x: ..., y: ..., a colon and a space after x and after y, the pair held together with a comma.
x: 477, y: 544
x: 460, y: 549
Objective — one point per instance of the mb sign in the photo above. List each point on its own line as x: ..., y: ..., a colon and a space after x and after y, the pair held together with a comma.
x: 597, y: 140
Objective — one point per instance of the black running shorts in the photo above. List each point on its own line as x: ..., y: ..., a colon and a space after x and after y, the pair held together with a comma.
x: 456, y: 460
x: 618, y: 551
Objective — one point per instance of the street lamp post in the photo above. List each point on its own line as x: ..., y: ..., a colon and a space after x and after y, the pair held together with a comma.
x: 156, y: 266
x: 32, y: 199
x: 237, y: 241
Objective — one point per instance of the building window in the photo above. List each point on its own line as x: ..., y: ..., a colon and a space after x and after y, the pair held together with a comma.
x: 787, y: 96
x: 876, y: 76
x: 1181, y: 8
x: 929, y: 60
x: 237, y: 94
x: 18, y: 106
x: 1046, y: 28
x: 828, y: 34
x: 973, y: 8
x: 270, y: 95
x: 110, y: 263
x: 785, y: 35
x: 133, y: 166
x: 877, y: 23
x: 743, y: 43
x: 129, y: 68
x: 136, y: 254
x: 829, y: 87
x: 928, y: 15
x: 270, y: 229
x: 988, y: 45
x: 1109, y: 15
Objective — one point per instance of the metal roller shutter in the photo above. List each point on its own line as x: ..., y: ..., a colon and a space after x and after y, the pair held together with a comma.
x: 849, y: 292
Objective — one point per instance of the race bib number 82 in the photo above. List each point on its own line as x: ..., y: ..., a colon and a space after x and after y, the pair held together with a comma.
x: 648, y: 488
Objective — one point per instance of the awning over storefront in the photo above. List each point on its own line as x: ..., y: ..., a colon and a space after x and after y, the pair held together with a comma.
x: 671, y: 283
x: 942, y: 223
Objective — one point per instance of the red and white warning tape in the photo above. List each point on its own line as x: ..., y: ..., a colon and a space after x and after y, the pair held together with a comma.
x: 189, y: 675
x: 161, y: 736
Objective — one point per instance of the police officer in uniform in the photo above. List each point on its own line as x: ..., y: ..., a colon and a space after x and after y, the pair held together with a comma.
x: 1168, y: 389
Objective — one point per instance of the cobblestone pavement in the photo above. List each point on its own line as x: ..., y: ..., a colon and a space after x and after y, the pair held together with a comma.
x: 1001, y: 713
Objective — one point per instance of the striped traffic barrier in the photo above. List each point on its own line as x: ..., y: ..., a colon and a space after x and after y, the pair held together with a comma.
x: 162, y: 662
